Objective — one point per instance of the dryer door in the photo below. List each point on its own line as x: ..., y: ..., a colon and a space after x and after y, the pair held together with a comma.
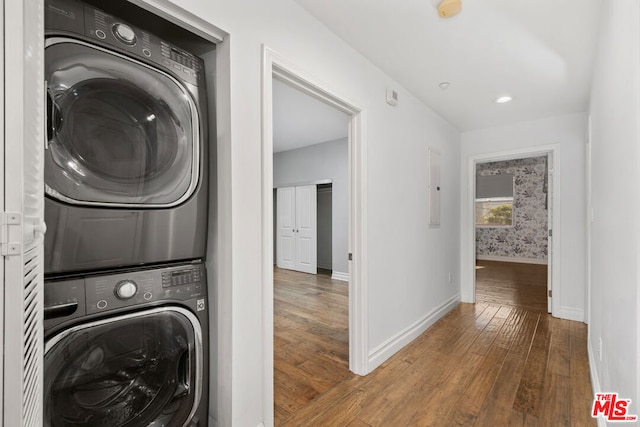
x: 120, y: 133
x: 139, y: 369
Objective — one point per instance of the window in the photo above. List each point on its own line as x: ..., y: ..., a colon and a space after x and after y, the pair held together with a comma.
x: 496, y: 211
x: 494, y: 200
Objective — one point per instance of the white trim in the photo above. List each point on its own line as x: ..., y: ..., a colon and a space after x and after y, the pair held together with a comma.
x: 511, y: 259
x: 595, y: 380
x: 336, y: 275
x: 384, y: 351
x: 589, y: 220
x: 179, y: 16
x: 276, y: 66
x: 570, y: 313
x: 3, y: 178
x: 467, y: 227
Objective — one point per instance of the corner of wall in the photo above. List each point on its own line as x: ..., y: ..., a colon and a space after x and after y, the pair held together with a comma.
x: 384, y: 351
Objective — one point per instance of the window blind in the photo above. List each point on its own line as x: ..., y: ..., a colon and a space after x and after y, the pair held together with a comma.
x: 494, y: 186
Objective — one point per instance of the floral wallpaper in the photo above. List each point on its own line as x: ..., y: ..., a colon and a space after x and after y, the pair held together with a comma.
x: 527, y: 238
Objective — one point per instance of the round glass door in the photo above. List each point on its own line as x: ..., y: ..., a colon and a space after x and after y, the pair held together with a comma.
x: 134, y: 370
x: 119, y: 132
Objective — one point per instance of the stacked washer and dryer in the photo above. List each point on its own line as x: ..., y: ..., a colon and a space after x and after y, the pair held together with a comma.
x: 126, y: 314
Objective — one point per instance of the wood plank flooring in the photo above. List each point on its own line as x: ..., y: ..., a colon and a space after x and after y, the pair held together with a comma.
x: 513, y: 284
x: 493, y: 363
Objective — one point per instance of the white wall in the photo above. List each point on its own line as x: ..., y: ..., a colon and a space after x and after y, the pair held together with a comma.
x: 569, y: 132
x: 408, y: 263
x: 328, y: 160
x: 615, y: 195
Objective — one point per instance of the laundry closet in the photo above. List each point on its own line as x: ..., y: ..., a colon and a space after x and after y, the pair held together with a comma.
x: 128, y: 133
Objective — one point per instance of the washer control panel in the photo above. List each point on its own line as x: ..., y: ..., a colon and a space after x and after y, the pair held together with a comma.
x: 126, y: 289
x: 115, y: 291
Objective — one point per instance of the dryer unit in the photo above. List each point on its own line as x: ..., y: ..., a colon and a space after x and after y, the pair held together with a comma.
x: 126, y: 157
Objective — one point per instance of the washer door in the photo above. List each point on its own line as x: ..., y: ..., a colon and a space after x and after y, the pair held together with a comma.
x: 139, y: 369
x: 120, y: 133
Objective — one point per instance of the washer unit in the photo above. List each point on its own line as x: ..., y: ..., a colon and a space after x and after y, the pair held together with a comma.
x: 127, y: 349
x: 126, y: 157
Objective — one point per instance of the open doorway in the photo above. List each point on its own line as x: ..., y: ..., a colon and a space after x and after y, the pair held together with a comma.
x: 311, y: 221
x: 281, y: 68
x: 513, y: 208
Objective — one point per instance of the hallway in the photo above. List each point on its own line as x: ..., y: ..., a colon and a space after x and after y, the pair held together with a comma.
x: 483, y: 364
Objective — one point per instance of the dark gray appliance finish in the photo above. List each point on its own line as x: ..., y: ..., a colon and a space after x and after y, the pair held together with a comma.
x: 127, y: 349
x: 126, y: 170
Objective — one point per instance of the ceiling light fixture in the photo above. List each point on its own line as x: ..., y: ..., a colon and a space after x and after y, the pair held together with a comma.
x: 449, y: 8
x: 504, y: 99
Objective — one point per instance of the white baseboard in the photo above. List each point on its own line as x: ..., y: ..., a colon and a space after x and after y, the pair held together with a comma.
x: 595, y: 380
x: 522, y: 260
x: 336, y: 275
x: 570, y: 313
x: 384, y: 351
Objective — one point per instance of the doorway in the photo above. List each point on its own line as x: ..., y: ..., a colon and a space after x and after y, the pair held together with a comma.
x: 512, y: 206
x: 283, y: 70
x: 507, y: 267
x: 311, y: 348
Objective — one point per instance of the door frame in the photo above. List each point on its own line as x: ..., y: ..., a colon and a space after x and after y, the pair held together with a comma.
x: 275, y: 65
x: 468, y: 217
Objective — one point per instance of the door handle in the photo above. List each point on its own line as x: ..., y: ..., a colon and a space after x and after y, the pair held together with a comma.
x: 60, y: 310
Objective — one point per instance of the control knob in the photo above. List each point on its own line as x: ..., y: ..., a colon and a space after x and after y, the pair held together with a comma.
x: 124, y: 33
x: 126, y: 289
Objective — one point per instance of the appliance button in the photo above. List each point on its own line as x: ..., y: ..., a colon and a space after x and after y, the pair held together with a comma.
x: 147, y: 296
x: 101, y: 304
x: 146, y: 52
x: 101, y: 34
x: 126, y: 289
x: 124, y: 33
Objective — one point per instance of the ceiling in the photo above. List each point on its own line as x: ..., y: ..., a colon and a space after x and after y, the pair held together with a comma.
x: 541, y: 52
x: 300, y: 120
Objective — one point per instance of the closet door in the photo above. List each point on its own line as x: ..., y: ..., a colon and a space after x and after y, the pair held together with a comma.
x: 286, y: 212
x: 296, y: 247
x: 23, y: 212
x: 306, y: 229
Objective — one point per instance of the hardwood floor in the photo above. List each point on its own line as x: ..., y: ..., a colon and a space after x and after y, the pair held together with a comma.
x: 513, y: 284
x: 484, y: 364
x: 311, y: 338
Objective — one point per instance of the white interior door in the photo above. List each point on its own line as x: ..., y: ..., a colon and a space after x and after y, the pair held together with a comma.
x: 306, y: 229
x: 286, y: 213
x: 297, y: 235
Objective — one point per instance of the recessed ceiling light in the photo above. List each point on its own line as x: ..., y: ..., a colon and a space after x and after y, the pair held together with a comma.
x: 503, y: 99
x: 444, y: 85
